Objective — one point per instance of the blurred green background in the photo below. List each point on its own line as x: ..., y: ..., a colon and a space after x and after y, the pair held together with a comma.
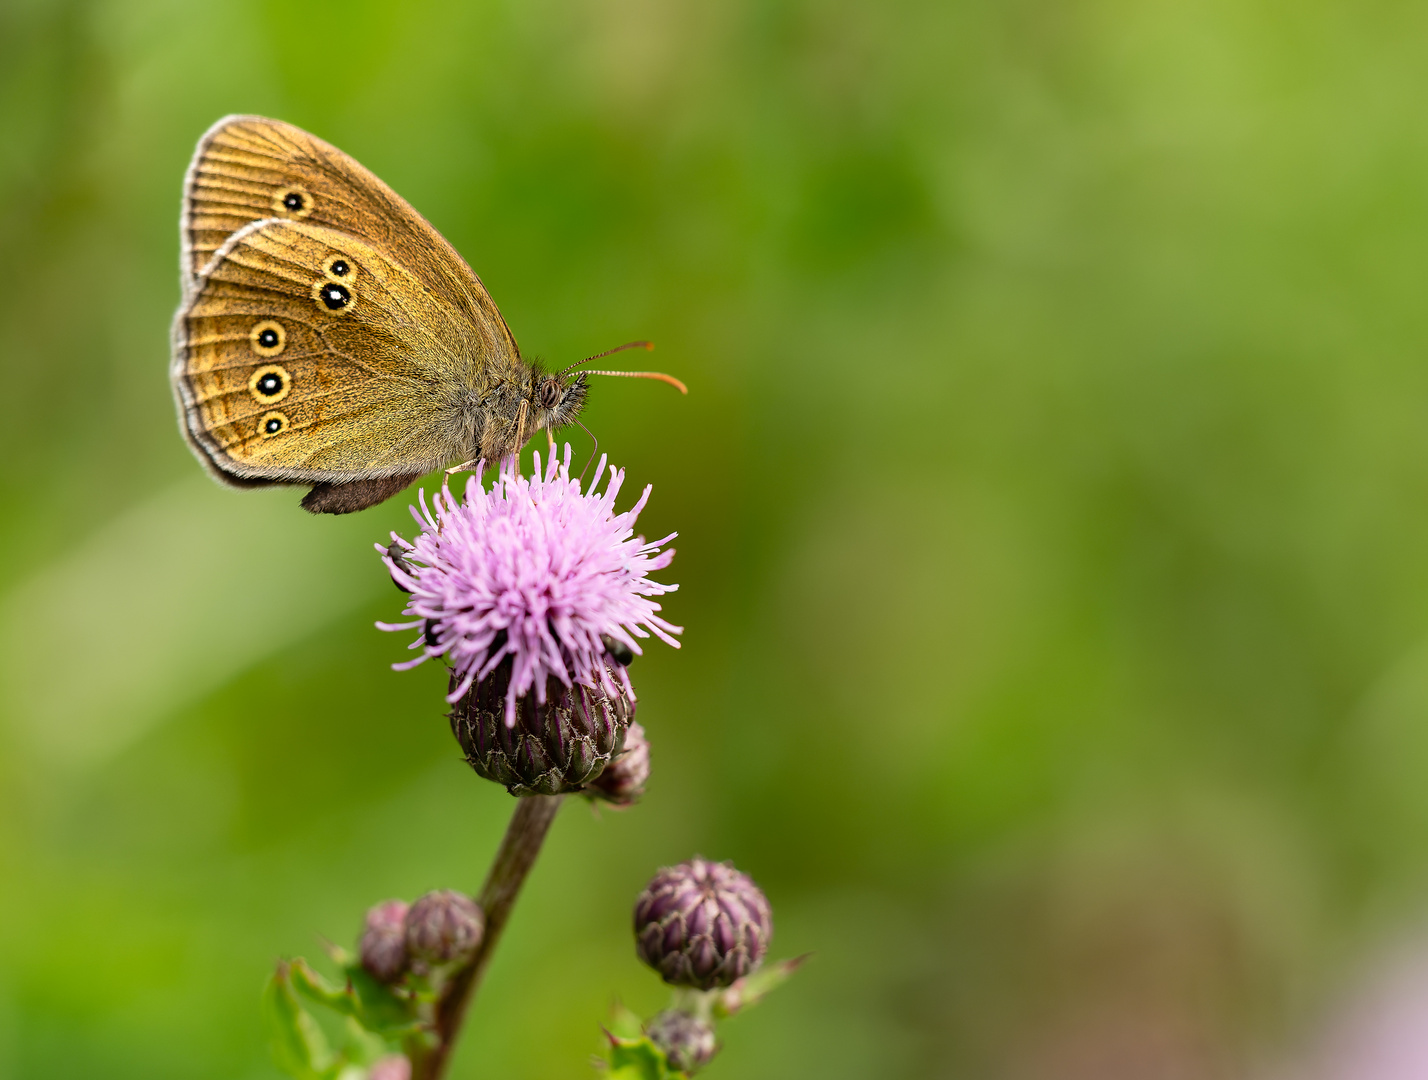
x: 1052, y: 495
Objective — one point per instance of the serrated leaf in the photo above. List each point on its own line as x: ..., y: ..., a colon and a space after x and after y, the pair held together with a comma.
x: 751, y: 989
x: 298, y: 1045
x: 638, y: 1059
x: 363, y: 999
x: 378, y: 1009
x: 625, y: 1022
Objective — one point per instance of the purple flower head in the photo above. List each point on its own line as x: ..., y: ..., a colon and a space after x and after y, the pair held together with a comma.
x: 534, y: 570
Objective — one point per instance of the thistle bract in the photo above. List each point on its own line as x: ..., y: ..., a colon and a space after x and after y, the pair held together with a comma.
x: 702, y: 924
x: 552, y: 747
x: 535, y: 575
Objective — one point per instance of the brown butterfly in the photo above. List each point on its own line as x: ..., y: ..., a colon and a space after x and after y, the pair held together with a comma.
x: 329, y: 335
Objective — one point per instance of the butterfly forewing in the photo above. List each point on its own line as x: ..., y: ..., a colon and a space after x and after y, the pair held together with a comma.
x: 248, y: 168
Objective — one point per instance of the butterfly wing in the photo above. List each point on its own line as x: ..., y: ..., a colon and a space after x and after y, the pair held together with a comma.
x: 247, y: 168
x: 305, y: 354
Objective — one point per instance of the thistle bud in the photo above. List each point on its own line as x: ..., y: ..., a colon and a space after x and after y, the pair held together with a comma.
x: 395, y: 1067
x: 384, y: 941
x: 687, y: 1041
x: 443, y: 926
x: 702, y: 924
x: 623, y: 781
x: 553, y: 747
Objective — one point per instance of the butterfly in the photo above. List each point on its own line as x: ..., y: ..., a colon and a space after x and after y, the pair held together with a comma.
x: 329, y: 336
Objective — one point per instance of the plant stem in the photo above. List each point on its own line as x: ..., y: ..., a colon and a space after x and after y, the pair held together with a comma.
x: 517, y: 854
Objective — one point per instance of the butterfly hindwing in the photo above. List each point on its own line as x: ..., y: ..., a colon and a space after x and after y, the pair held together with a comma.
x: 306, y: 354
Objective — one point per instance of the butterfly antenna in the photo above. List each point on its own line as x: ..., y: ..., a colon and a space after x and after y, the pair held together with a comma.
x: 660, y: 375
x: 593, y: 452
x: 646, y: 345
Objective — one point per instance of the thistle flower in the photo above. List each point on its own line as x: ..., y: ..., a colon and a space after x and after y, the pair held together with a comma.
x: 535, y: 574
x: 702, y: 924
x: 384, y: 941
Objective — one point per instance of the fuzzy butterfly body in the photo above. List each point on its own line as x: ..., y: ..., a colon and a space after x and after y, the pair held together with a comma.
x: 328, y: 335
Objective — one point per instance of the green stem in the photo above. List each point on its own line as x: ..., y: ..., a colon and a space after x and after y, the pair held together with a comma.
x: 519, y: 848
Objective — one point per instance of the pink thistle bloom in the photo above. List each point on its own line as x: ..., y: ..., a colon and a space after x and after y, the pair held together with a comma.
x: 535, y: 570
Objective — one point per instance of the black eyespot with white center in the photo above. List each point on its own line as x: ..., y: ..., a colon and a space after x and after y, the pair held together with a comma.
x: 270, y: 384
x: 292, y: 202
x: 267, y: 337
x: 272, y: 423
x: 334, y: 296
x: 339, y: 268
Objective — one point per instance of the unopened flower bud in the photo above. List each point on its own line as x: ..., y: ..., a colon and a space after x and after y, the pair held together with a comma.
x: 443, y: 926
x: 702, y: 924
x: 395, y: 1067
x: 687, y: 1041
x: 553, y: 747
x: 384, y: 941
x: 623, y: 781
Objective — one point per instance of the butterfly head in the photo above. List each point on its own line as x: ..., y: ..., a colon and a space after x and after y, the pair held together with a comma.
x: 557, y: 400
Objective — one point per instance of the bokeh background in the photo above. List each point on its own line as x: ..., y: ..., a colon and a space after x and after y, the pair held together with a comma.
x: 1053, y: 508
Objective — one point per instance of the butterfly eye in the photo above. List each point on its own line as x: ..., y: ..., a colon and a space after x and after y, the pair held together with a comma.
x: 549, y: 396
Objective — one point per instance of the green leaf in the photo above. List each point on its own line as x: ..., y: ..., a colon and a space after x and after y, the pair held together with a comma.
x: 625, y: 1022
x: 297, y: 1043
x: 751, y: 989
x: 638, y: 1059
x: 363, y: 999
x: 378, y: 1009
